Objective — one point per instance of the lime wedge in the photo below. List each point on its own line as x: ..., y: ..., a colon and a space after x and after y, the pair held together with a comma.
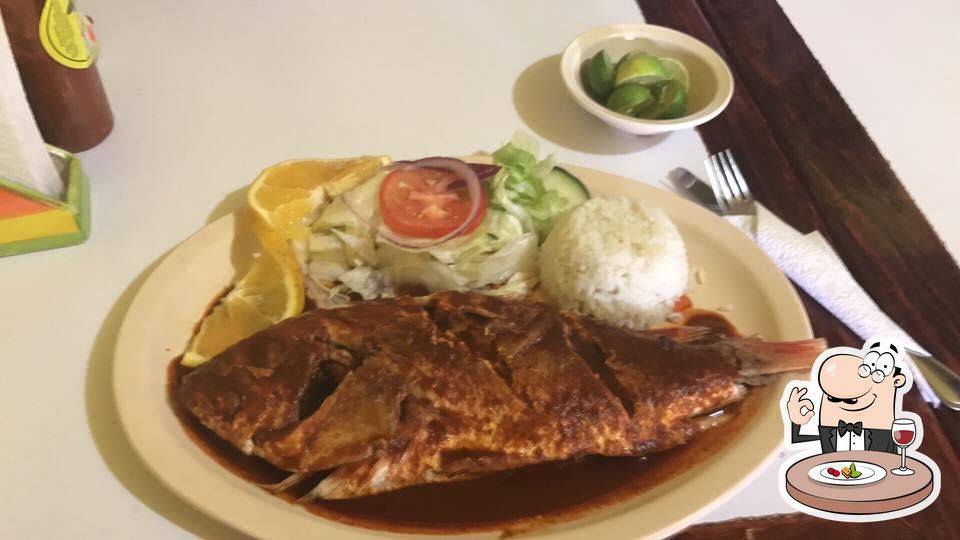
x: 676, y: 71
x: 671, y: 102
x: 631, y: 99
x: 640, y: 68
x: 598, y: 76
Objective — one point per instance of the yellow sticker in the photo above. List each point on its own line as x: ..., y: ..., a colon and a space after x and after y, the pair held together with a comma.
x: 67, y: 35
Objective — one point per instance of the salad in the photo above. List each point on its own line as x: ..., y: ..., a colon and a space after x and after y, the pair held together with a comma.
x: 848, y: 472
x: 439, y: 224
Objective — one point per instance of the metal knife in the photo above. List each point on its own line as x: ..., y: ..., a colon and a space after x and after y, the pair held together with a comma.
x: 695, y: 189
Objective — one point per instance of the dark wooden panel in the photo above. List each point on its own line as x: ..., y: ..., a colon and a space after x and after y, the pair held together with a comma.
x: 809, y: 159
x: 741, y: 127
x: 869, y: 218
x: 807, y: 527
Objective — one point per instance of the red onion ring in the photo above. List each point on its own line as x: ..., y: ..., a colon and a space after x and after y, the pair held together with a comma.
x: 474, y: 189
x: 463, y: 170
x: 484, y: 171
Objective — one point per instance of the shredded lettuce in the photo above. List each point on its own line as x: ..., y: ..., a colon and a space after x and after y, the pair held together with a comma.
x: 519, y: 284
x: 518, y: 188
x: 363, y: 280
x: 320, y: 243
x: 515, y: 157
x: 360, y: 250
x: 336, y: 214
x: 322, y: 269
x: 401, y: 266
x: 483, y: 260
x: 519, y: 254
x: 497, y: 229
x: 499, y: 257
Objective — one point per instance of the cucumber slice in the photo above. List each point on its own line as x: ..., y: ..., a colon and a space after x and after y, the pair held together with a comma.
x: 567, y: 186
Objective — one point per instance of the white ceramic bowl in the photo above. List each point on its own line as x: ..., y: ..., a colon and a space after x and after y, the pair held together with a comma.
x: 711, y: 83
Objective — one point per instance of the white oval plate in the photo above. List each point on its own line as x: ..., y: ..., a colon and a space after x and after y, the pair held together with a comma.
x: 870, y: 473
x: 174, y: 296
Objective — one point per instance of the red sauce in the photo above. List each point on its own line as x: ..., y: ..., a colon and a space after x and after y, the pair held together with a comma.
x: 709, y: 319
x: 511, y: 502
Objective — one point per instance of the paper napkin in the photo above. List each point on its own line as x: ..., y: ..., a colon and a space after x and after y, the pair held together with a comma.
x: 23, y: 154
x: 810, y: 262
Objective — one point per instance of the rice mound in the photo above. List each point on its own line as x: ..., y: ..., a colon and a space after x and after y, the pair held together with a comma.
x: 617, y: 259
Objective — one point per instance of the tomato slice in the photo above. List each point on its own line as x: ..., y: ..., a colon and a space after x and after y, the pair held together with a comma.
x: 427, y: 203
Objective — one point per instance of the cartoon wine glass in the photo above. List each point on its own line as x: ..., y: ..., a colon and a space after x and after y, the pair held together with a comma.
x: 904, y: 433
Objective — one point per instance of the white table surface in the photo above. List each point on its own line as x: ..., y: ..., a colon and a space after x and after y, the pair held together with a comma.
x: 206, y: 94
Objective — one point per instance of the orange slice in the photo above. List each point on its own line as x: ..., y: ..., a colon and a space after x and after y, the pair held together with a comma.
x: 280, y: 199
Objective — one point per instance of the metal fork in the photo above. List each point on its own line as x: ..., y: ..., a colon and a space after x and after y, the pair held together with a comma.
x: 729, y: 186
x: 734, y: 198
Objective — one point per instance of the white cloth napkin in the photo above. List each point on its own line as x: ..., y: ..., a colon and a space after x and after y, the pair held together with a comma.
x: 811, y: 263
x: 23, y: 154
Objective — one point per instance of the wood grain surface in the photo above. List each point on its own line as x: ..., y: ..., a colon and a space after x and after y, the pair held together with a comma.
x: 808, y: 159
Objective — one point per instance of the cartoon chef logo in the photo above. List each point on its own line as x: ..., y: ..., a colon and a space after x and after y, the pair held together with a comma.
x: 849, y: 420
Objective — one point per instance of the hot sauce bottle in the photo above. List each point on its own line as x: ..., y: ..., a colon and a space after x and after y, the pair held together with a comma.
x: 55, y: 49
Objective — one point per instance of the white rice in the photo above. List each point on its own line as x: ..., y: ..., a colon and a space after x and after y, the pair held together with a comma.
x: 615, y: 258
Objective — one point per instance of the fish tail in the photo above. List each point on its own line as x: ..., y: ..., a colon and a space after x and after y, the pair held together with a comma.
x: 758, y: 358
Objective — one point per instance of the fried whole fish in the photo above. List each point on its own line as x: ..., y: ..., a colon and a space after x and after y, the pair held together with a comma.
x: 387, y: 394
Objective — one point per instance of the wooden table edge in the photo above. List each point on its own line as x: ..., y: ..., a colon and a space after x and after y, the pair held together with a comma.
x: 768, y: 104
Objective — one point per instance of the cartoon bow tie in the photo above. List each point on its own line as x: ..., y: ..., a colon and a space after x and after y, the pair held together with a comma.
x: 843, y: 428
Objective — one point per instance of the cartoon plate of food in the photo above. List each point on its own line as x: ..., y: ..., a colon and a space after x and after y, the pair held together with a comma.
x: 847, y: 473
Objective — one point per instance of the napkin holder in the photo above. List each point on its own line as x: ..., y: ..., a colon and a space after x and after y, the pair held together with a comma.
x: 32, y: 221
